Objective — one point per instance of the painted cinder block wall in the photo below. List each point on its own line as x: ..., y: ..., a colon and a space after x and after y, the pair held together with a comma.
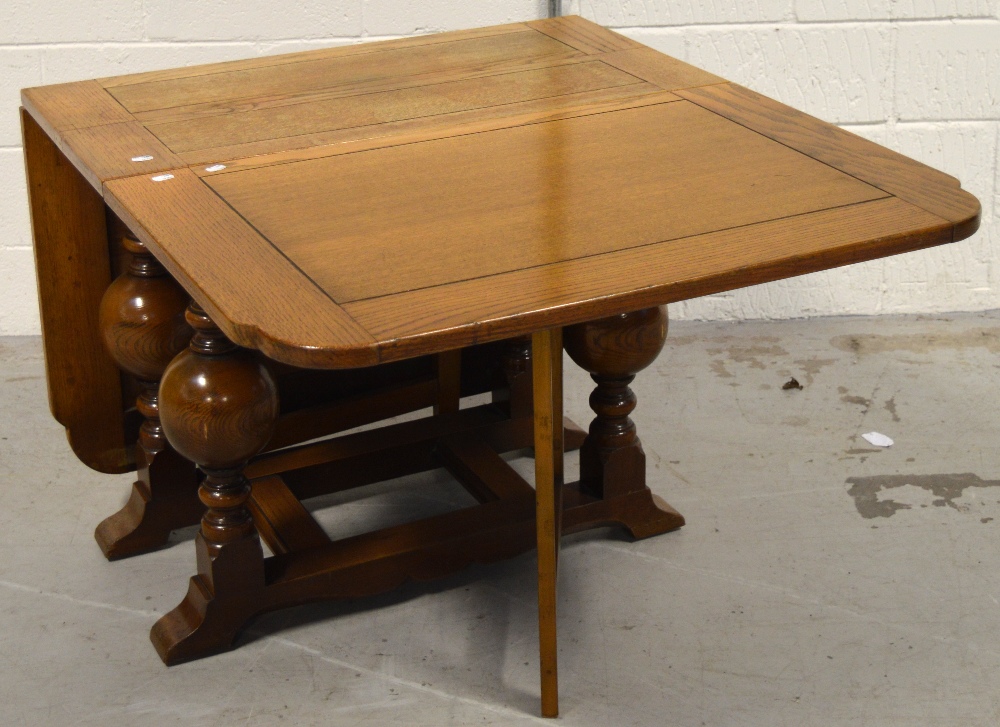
x: 920, y: 76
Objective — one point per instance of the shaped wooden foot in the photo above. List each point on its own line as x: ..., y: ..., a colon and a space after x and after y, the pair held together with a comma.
x: 612, y: 463
x: 163, y: 499
x: 218, y: 406
x: 143, y: 326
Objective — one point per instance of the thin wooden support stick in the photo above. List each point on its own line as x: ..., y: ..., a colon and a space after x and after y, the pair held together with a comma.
x: 547, y: 383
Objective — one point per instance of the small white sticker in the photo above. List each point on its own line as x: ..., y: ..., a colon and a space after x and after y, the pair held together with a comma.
x: 162, y: 177
x: 215, y: 168
x: 143, y: 158
x: 879, y: 440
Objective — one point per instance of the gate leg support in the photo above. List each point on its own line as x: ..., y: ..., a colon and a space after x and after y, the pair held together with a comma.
x: 547, y: 386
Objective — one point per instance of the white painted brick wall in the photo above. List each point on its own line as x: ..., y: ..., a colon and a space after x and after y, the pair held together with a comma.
x: 197, y: 20
x: 839, y: 73
x: 920, y: 76
x: 58, y: 21
x: 948, y: 70
x: 392, y: 17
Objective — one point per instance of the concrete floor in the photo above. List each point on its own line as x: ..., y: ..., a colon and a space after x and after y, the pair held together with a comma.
x: 819, y: 581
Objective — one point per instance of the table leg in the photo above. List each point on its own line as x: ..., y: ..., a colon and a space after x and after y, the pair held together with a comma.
x: 612, y: 462
x: 449, y: 376
x: 517, y: 372
x: 547, y: 385
x: 218, y: 405
x: 142, y: 324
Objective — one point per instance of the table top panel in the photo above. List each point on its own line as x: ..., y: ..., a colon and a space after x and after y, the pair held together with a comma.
x: 371, y: 202
x: 436, y: 212
x: 331, y: 111
x: 220, y: 92
x: 242, y: 280
x: 901, y: 176
x: 423, y: 128
x: 500, y: 306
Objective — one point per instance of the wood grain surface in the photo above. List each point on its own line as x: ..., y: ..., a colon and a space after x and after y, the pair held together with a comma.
x: 247, y: 64
x: 248, y: 287
x: 66, y: 106
x: 501, y: 52
x: 73, y: 267
x: 406, y: 131
x: 281, y: 519
x: 592, y: 287
x: 346, y: 206
x: 906, y: 178
x: 443, y: 211
x: 546, y: 369
x: 663, y: 71
x: 117, y: 150
x: 583, y: 35
x: 380, y: 85
x: 425, y: 128
x: 344, y: 112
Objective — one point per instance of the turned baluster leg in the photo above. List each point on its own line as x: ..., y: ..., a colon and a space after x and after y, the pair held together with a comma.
x: 612, y: 463
x: 142, y: 323
x: 218, y: 406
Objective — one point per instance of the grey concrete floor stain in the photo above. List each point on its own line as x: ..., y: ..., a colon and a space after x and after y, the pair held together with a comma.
x: 890, y: 406
x: 720, y: 370
x: 750, y: 355
x: 852, y: 399
x: 946, y: 487
x: 812, y: 366
x: 988, y: 338
x: 681, y: 340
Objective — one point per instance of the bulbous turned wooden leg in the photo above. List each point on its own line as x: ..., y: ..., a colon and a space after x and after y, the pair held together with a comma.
x: 612, y: 463
x: 142, y: 322
x: 218, y: 406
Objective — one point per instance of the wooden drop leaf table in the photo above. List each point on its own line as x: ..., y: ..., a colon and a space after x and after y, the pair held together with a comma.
x: 347, y: 227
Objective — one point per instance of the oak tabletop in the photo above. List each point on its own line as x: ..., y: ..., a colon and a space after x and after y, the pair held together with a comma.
x: 353, y: 205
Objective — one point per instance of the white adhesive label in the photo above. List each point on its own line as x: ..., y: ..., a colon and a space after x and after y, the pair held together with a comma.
x: 215, y: 168
x: 162, y: 177
x: 143, y: 158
